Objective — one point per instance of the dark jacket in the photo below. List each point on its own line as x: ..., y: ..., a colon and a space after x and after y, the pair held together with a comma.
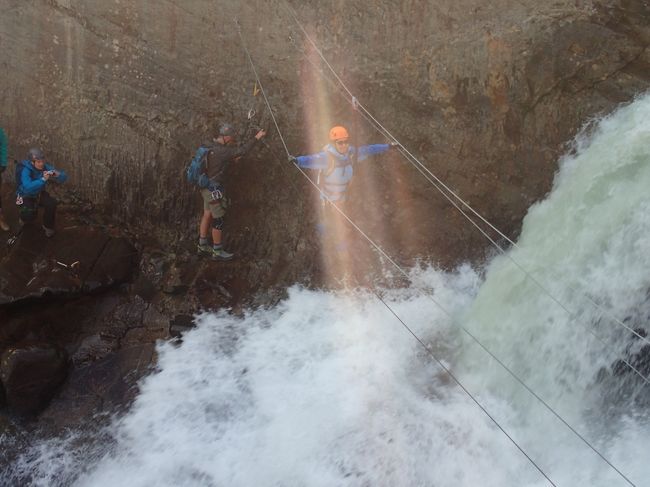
x: 221, y: 155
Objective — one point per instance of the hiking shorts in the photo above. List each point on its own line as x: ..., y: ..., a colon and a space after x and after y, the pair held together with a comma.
x: 216, y: 207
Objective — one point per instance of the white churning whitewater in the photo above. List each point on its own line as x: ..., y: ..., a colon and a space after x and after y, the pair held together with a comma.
x: 328, y: 389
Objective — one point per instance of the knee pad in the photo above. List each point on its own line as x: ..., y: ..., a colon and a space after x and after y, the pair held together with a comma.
x: 217, y: 223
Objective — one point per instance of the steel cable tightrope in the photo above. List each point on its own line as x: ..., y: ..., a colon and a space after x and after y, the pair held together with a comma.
x: 446, y: 192
x: 437, y: 183
x: 428, y: 296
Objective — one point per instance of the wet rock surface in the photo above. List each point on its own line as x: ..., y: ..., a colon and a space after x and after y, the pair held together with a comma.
x: 48, y: 288
x: 76, y: 339
x: 31, y: 375
x: 77, y: 260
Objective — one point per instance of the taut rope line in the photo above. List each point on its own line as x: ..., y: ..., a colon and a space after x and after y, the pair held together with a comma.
x: 442, y: 308
x: 423, y: 169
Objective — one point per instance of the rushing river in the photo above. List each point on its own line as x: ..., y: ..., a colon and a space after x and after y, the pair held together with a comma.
x: 329, y: 388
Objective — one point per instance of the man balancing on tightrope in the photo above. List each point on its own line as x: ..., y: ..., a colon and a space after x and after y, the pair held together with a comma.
x: 336, y: 165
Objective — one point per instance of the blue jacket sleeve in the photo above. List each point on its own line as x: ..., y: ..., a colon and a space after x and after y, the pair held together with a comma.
x: 29, y: 185
x: 313, y: 161
x: 371, y: 150
x: 3, y: 148
x: 62, y: 176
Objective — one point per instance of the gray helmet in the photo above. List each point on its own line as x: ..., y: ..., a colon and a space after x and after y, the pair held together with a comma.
x: 225, y: 129
x: 35, y: 153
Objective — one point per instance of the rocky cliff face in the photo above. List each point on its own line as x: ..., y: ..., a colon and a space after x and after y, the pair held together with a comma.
x: 120, y: 92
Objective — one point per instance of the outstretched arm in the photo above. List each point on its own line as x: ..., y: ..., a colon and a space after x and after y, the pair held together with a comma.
x: 237, y: 152
x: 313, y: 161
x: 242, y: 150
x: 57, y: 175
x: 371, y: 150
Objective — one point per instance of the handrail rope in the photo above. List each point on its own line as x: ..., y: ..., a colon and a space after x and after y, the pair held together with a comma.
x: 442, y: 308
x: 419, y: 169
x: 427, y: 349
x: 417, y: 163
x: 409, y: 155
x: 266, y: 100
x: 483, y: 347
x: 571, y: 315
x: 457, y: 381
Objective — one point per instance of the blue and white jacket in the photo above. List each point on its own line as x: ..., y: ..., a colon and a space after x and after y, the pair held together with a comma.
x: 335, y: 184
x: 31, y: 181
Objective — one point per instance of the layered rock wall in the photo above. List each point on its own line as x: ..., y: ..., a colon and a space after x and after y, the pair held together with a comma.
x: 120, y: 92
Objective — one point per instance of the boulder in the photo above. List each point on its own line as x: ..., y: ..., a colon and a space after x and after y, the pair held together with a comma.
x: 103, y: 386
x: 181, y: 324
x: 31, y: 375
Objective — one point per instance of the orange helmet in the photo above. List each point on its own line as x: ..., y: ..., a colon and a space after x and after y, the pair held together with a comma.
x: 338, y: 133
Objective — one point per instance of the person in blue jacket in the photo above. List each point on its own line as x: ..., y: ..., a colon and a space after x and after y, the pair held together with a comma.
x: 3, y: 167
x: 34, y: 173
x: 335, y: 164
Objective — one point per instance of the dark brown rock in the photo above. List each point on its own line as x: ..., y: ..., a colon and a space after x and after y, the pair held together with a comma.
x: 76, y: 260
x: 31, y: 375
x: 63, y: 291
x: 114, y: 264
x: 180, y: 324
x: 104, y: 385
x: 485, y: 95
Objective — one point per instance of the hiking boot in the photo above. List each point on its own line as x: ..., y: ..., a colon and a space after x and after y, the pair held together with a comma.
x: 204, y: 249
x: 220, y: 254
x: 49, y: 232
x: 3, y: 224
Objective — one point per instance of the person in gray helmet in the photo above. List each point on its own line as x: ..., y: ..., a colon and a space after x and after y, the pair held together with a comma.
x: 32, y: 177
x: 220, y: 152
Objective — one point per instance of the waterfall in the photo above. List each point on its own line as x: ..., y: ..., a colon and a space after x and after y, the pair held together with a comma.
x: 329, y: 389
